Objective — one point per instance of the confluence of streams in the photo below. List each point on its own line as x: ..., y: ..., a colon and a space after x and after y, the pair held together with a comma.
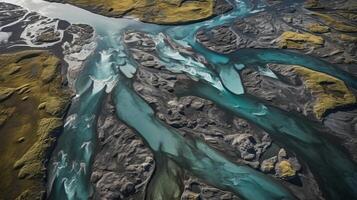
x: 110, y: 69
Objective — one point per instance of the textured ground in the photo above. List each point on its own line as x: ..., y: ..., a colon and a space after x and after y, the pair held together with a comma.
x: 32, y: 104
x: 34, y: 97
x: 157, y: 11
x: 35, y: 86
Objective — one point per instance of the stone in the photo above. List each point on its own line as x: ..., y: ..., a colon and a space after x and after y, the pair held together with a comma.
x: 42, y: 106
x: 127, y: 188
x: 282, y: 155
x: 268, y: 165
x: 190, y: 196
x: 48, y: 36
x: 197, y: 104
x: 285, y: 170
x: 20, y: 140
x: 295, y: 163
x: 245, y: 143
x: 24, y: 98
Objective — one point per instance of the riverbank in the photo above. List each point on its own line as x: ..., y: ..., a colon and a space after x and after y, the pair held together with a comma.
x: 34, y: 97
x: 157, y: 12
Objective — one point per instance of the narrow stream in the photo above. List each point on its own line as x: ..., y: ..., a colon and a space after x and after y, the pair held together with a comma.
x: 110, y: 69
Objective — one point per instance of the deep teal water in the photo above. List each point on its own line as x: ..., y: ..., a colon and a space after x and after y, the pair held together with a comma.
x: 336, y: 173
x: 194, y: 155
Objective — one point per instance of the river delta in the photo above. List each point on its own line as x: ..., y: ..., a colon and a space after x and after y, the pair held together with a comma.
x: 161, y: 100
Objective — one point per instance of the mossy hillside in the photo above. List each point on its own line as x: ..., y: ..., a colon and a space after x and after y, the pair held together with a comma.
x: 5, y: 114
x: 156, y: 11
x: 295, y: 40
x: 312, y: 4
x: 5, y: 93
x: 347, y: 38
x: 28, y: 79
x: 31, y: 164
x: 328, y: 91
x: 317, y: 28
x: 335, y: 23
x: 349, y: 15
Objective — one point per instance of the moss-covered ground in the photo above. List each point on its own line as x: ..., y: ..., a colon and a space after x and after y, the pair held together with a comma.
x: 328, y: 91
x: 153, y: 11
x: 28, y: 79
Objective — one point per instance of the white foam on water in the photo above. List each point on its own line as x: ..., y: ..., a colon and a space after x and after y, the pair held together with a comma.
x: 4, y: 37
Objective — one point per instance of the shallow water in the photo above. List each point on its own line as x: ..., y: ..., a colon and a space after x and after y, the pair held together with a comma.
x: 110, y: 70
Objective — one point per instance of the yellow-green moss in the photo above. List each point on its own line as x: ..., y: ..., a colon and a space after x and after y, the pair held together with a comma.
x: 14, y: 69
x: 55, y: 106
x: 31, y: 194
x: 336, y: 24
x: 328, y: 91
x: 49, y: 71
x: 294, y: 40
x: 5, y: 93
x: 285, y: 169
x: 27, y: 79
x: 5, y: 114
x: 317, y: 28
x: 312, y: 4
x: 156, y: 11
x: 31, y: 164
x: 347, y: 38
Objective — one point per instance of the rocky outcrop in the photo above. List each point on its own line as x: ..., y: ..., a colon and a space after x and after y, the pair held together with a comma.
x: 195, y: 190
x: 289, y: 95
x: 77, y: 51
x: 122, y: 165
x: 34, y: 30
x: 199, y: 118
x: 327, y: 33
x: 302, y: 90
x: 344, y: 125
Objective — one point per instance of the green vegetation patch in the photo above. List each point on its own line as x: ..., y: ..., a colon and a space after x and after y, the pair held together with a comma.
x: 32, y: 163
x: 27, y: 79
x: 295, y: 40
x: 328, y: 91
x: 156, y: 11
x: 335, y: 23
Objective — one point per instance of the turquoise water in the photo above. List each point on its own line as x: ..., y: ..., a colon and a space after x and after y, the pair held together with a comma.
x: 262, y: 56
x: 194, y: 155
x: 336, y: 173
x: 110, y: 69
